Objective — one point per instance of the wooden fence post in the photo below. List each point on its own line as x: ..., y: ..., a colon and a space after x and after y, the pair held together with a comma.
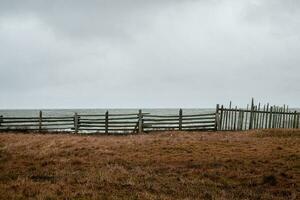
x: 221, y: 118
x: 40, y: 120
x: 235, y: 118
x: 251, y: 114
x: 217, y: 122
x: 270, y: 117
x: 295, y: 120
x: 106, y: 122
x: 180, y: 119
x: 1, y: 119
x: 298, y: 120
x: 76, y: 123
x: 140, y: 121
x: 266, y: 123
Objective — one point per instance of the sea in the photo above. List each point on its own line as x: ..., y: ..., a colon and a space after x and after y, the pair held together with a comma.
x: 71, y: 112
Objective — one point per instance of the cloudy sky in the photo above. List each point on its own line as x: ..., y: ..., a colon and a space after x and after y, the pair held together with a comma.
x: 148, y: 53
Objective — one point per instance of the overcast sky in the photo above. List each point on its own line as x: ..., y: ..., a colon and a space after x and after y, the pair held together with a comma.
x: 148, y: 53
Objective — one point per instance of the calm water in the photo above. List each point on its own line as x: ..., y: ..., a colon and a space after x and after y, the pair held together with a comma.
x: 70, y: 112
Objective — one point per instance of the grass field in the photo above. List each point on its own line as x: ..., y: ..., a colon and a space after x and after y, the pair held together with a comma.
x: 169, y: 165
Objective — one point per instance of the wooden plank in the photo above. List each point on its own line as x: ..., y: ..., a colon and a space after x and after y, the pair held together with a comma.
x: 198, y: 118
x: 251, y: 115
x: 267, y: 114
x: 183, y: 123
x: 108, y: 127
x: 21, y: 125
x: 53, y: 118
x: 162, y: 116
x: 183, y: 120
x: 230, y: 116
x: 20, y: 121
x: 284, y: 117
x: 197, y: 126
x: 295, y: 120
x: 242, y: 120
x: 257, y: 116
x: 298, y: 120
x: 235, y: 118
x: 58, y: 124
x: 122, y: 118
x: 254, y: 117
x: 199, y: 115
x: 270, y: 117
x: 246, y: 127
x: 226, y: 120
x: 280, y: 118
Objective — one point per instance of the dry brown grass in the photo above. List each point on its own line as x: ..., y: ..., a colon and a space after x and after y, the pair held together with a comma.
x: 172, y: 165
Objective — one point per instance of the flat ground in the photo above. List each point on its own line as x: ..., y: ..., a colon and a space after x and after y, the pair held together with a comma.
x: 169, y: 165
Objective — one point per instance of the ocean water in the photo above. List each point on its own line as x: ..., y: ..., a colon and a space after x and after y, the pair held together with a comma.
x: 70, y: 112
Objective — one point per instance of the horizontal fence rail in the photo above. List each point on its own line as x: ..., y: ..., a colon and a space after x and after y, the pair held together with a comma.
x: 111, y: 123
x: 223, y: 119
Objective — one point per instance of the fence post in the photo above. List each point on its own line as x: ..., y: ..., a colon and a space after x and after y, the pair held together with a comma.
x: 106, y: 122
x: 298, y: 118
x: 295, y: 120
x: 40, y: 120
x: 270, y: 118
x: 221, y: 118
x: 76, y: 123
x: 217, y: 117
x: 251, y: 114
x: 140, y: 121
x: 180, y: 119
x: 1, y: 119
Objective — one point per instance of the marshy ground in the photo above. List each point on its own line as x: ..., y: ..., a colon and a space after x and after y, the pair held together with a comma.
x: 263, y: 164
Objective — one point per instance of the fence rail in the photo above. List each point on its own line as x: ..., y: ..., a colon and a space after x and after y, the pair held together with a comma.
x: 223, y: 119
x: 111, y: 123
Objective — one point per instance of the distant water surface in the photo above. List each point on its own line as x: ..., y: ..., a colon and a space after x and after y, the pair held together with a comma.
x: 70, y: 112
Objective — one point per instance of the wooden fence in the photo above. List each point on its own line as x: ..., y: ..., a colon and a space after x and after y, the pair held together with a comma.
x: 256, y: 117
x: 223, y: 119
x: 111, y: 123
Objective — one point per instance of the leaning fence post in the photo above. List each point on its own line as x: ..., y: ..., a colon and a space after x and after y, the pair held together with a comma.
x: 140, y: 121
x: 180, y: 119
x: 76, y: 123
x: 106, y: 122
x: 40, y: 120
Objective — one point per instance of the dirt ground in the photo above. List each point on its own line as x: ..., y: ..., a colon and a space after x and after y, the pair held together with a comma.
x: 262, y: 164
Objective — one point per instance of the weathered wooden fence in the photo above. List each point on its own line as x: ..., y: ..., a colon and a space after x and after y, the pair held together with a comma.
x: 256, y: 117
x: 111, y: 123
x: 223, y: 119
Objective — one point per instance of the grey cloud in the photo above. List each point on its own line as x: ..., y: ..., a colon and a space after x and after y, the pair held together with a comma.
x: 136, y: 53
